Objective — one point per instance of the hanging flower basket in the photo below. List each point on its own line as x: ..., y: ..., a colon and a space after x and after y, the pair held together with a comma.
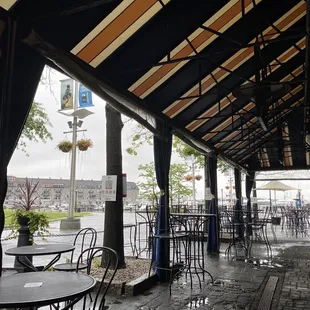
x: 84, y: 144
x: 65, y: 146
x: 198, y: 177
x: 188, y: 177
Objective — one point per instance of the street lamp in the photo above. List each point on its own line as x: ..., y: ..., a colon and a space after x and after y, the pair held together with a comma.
x: 76, y: 196
x: 78, y: 114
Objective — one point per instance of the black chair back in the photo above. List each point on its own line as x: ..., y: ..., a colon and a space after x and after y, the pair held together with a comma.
x: 110, y: 262
x: 84, y: 239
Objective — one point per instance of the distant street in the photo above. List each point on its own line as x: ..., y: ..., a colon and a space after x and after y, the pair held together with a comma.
x: 96, y: 220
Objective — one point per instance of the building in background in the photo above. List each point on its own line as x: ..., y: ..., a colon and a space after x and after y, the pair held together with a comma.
x: 55, y: 193
x: 132, y: 193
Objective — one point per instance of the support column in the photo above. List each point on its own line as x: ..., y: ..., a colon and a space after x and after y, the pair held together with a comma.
x: 207, y: 181
x: 162, y: 158
x: 255, y: 205
x: 213, y: 232
x: 238, y: 206
x: 249, y: 182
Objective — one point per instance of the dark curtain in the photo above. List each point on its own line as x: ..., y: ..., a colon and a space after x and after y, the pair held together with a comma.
x: 162, y: 157
x: 213, y: 231
x: 249, y: 183
x: 20, y: 71
x: 238, y: 206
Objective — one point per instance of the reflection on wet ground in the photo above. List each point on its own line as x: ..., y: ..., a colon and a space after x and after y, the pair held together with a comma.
x: 239, y: 278
x: 198, y: 302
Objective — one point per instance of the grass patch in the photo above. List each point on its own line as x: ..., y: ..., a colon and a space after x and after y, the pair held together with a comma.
x: 52, y: 216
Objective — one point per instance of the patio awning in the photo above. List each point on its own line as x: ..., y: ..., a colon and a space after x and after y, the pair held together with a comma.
x: 230, y: 77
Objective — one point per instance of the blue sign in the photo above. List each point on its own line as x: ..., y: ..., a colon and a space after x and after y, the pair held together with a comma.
x: 85, y: 97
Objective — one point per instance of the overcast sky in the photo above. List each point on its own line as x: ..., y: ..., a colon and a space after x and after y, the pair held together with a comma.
x: 45, y: 160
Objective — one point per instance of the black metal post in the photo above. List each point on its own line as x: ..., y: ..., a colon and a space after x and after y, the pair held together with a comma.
x: 24, y: 239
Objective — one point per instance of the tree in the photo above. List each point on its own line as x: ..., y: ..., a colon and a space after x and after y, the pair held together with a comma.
x: 36, y: 127
x: 177, y: 188
x: 113, y: 220
x: 141, y: 135
x: 148, y: 187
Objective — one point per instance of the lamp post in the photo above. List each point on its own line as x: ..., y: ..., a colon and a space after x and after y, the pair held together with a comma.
x: 78, y: 114
x: 71, y: 222
x: 76, y: 198
x: 73, y: 156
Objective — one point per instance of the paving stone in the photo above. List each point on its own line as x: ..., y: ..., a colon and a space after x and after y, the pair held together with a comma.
x: 237, y: 285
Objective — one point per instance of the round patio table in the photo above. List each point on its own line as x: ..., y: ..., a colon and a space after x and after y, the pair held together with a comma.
x: 36, y: 289
x: 39, y: 250
x: 195, y: 226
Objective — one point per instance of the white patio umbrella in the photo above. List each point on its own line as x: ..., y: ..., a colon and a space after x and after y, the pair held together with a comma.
x: 276, y: 186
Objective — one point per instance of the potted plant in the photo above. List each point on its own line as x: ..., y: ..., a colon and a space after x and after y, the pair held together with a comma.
x: 84, y: 144
x: 65, y: 146
x: 28, y: 220
x: 198, y: 177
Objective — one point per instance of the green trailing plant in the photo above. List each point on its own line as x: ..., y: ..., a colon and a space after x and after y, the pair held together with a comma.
x: 24, y: 213
x: 65, y: 146
x: 84, y: 144
x: 37, y: 222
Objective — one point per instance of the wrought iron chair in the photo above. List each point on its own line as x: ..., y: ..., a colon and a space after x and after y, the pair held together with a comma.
x: 111, y: 262
x: 145, y: 223
x: 81, y: 238
x: 178, y: 240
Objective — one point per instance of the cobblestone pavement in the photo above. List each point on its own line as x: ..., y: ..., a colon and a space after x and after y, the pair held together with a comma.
x: 235, y: 287
x: 295, y: 292
x: 238, y: 284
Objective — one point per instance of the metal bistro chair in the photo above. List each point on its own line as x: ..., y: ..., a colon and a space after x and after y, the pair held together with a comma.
x: 111, y: 262
x: 82, y: 236
x: 179, y: 255
x: 145, y: 223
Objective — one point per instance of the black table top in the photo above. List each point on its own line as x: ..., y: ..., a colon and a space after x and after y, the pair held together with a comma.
x: 40, y: 249
x: 44, y: 288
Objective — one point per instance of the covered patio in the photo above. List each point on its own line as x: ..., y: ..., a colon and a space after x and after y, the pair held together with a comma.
x: 230, y: 79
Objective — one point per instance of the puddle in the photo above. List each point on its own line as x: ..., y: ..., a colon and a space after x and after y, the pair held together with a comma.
x: 198, y: 302
x: 265, y: 263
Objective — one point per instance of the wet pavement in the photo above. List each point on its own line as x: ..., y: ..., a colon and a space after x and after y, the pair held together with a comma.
x: 239, y: 282
x: 96, y: 220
